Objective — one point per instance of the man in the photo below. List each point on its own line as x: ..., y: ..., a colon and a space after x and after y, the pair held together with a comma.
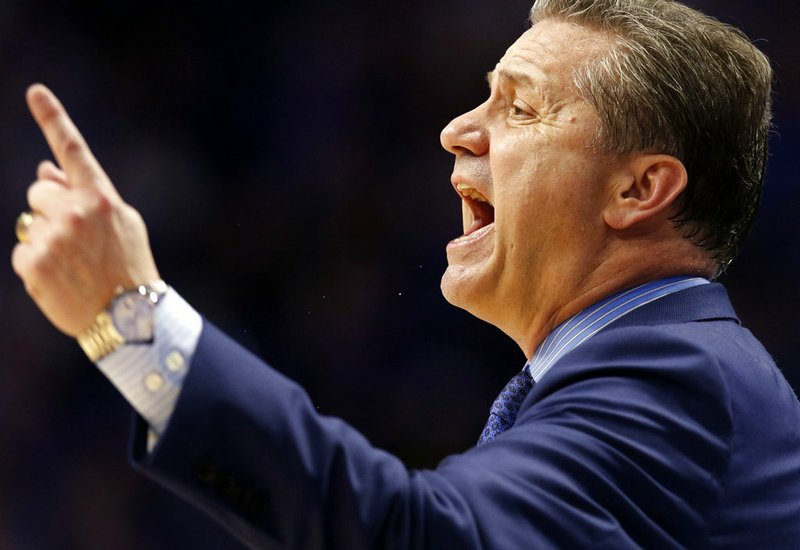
x: 611, y: 173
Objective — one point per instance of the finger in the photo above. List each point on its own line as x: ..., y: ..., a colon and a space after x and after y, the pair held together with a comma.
x: 46, y: 197
x: 63, y: 137
x: 21, y: 260
x: 37, y: 236
x: 32, y: 264
x: 38, y: 230
x: 49, y: 171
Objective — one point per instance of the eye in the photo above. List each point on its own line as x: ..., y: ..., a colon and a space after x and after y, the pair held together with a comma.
x: 519, y: 110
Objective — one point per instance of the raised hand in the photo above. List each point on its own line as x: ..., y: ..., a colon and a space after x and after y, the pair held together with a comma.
x: 84, y: 241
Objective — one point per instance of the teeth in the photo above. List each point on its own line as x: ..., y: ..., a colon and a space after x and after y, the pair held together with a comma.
x: 471, y: 192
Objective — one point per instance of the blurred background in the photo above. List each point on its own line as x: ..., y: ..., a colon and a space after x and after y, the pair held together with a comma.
x: 286, y: 158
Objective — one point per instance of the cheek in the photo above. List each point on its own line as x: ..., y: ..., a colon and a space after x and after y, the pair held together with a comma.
x: 525, y: 187
x: 546, y: 202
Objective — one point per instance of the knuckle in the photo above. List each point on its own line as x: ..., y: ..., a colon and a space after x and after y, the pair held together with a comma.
x: 36, y: 193
x: 32, y: 191
x: 48, y: 115
x: 72, y: 146
x: 41, y: 169
x: 95, y: 204
x: 103, y: 204
x: 18, y: 261
x: 75, y: 218
x: 132, y: 214
x: 98, y: 204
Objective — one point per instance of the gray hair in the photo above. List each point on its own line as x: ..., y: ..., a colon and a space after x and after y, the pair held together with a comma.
x: 678, y: 82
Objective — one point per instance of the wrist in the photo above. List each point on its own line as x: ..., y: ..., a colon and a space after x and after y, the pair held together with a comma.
x: 128, y: 319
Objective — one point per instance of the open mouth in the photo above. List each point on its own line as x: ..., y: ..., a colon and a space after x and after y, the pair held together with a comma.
x: 478, y: 211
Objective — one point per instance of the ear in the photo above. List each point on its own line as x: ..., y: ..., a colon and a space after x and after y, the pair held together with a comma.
x: 648, y: 185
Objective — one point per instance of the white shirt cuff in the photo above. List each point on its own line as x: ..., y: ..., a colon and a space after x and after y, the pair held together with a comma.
x: 150, y: 376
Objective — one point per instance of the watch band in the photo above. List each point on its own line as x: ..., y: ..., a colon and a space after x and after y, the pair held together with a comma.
x: 103, y: 337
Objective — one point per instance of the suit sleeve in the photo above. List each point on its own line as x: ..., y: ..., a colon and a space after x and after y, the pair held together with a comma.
x: 603, y: 455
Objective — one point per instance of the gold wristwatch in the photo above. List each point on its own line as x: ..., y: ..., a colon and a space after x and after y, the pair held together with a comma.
x: 129, y: 319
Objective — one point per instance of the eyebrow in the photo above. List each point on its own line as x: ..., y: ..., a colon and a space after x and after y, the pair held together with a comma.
x: 515, y: 77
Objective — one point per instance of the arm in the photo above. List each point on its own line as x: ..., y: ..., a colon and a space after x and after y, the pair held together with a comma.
x: 617, y: 456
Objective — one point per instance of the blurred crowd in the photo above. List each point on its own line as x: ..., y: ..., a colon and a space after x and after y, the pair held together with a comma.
x: 286, y: 159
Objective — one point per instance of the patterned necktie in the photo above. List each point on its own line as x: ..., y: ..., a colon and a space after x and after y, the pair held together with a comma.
x: 505, y: 407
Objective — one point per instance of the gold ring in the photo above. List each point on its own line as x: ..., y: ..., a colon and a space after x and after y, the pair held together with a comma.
x: 24, y: 222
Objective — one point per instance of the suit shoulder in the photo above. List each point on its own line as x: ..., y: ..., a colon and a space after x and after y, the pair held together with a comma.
x: 697, y: 351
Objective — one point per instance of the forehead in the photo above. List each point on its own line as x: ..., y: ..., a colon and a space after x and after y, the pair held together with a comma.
x: 550, y: 51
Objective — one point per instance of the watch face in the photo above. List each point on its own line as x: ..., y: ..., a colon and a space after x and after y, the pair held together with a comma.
x: 133, y: 316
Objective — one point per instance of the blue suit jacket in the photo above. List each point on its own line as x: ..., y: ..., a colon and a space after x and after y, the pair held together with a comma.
x: 671, y: 428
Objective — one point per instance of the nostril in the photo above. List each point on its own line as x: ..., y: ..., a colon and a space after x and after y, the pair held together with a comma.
x: 459, y: 150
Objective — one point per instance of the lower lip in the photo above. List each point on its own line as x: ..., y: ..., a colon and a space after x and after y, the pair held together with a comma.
x: 465, y: 240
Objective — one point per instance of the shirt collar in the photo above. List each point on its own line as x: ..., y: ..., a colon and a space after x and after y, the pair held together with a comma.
x: 578, y: 329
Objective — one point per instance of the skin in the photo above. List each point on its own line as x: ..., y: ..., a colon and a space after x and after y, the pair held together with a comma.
x: 85, y: 241
x: 571, y: 225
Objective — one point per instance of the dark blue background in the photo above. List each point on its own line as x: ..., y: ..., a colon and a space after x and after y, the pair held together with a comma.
x: 286, y: 159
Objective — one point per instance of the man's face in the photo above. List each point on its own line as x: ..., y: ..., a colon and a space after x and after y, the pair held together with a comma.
x: 532, y: 190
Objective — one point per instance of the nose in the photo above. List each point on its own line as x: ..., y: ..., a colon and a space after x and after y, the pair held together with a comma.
x: 466, y: 134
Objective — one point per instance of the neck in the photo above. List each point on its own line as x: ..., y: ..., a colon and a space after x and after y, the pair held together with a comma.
x: 569, y: 296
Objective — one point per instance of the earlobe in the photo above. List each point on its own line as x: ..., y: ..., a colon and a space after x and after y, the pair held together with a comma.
x: 648, y: 187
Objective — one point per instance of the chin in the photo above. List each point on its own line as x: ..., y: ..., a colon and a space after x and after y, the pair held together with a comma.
x: 450, y: 290
x: 466, y: 290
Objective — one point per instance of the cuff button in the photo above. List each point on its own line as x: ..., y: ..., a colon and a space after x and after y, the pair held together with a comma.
x: 153, y: 382
x: 175, y: 362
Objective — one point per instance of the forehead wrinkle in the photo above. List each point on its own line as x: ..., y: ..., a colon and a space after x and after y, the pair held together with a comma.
x: 540, y: 56
x: 518, y: 77
x: 525, y: 77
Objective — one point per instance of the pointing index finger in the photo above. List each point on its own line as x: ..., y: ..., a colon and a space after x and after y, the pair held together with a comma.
x: 63, y: 137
